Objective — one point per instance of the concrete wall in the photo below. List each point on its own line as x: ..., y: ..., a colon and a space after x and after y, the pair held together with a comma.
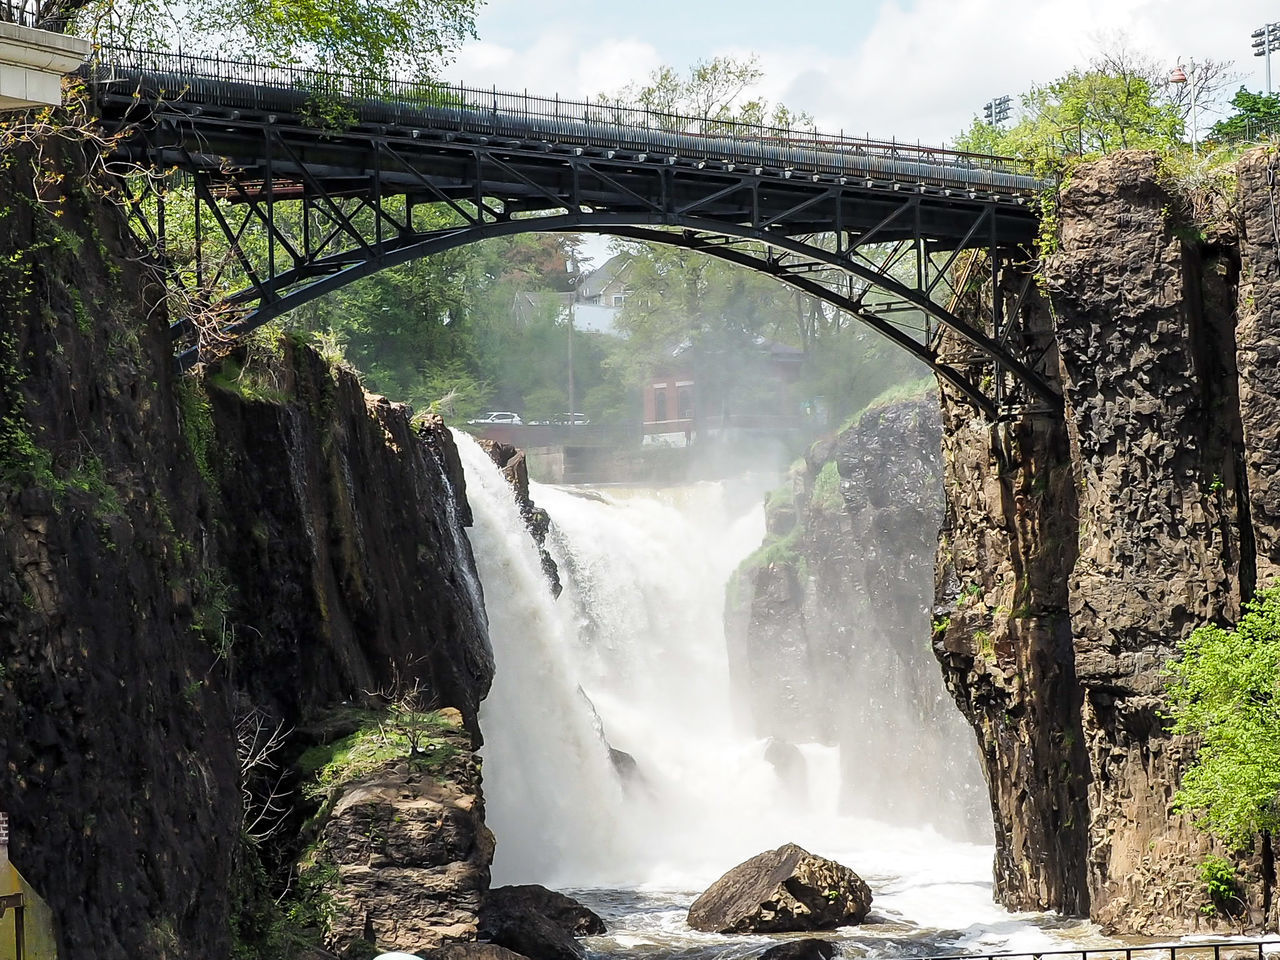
x: 32, y: 64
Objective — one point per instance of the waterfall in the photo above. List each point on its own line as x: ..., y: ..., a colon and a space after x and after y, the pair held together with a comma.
x: 550, y: 784
x: 632, y: 661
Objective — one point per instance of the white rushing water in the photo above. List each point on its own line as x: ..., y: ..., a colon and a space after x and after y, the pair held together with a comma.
x: 633, y: 657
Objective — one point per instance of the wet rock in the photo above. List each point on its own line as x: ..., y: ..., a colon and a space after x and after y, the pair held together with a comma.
x: 785, y: 758
x: 624, y: 765
x: 511, y: 461
x: 537, y: 922
x: 412, y: 855
x: 564, y: 911
x: 809, y: 948
x: 781, y: 891
x: 848, y: 601
x: 475, y: 951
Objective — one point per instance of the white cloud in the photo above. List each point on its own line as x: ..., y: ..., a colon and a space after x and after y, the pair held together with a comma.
x: 921, y: 70
x: 567, y: 62
x: 924, y: 71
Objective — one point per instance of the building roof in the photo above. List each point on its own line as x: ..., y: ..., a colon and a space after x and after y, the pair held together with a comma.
x: 608, y: 272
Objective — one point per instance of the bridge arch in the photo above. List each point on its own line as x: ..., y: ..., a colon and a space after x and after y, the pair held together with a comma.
x: 718, y: 240
x: 758, y: 198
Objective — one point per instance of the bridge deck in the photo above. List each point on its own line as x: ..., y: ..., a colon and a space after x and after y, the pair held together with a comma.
x: 336, y: 177
x: 466, y: 144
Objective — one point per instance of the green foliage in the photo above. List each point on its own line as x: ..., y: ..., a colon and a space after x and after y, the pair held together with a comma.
x: 412, y: 37
x: 212, y: 604
x: 254, y: 382
x: 414, y: 735
x: 720, y: 322
x: 1221, y: 885
x: 196, y: 415
x: 714, y: 91
x: 1225, y: 689
x: 781, y: 551
x: 1255, y: 115
x: 826, y: 494
x: 266, y: 926
x: 898, y: 393
x: 331, y: 345
x: 1120, y: 100
x: 89, y: 477
x: 326, y: 110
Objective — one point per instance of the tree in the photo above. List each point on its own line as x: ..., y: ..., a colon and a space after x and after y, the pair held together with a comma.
x: 1225, y: 689
x: 714, y: 92
x: 1254, y: 115
x: 406, y: 37
x: 1121, y: 100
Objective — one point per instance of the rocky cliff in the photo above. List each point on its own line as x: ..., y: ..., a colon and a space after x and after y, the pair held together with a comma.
x: 1078, y: 550
x: 193, y: 572
x: 825, y: 622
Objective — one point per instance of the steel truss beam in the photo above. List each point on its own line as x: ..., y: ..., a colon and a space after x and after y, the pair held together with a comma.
x: 800, y: 264
x: 285, y: 214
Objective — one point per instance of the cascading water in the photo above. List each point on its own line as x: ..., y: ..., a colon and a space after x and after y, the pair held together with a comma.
x: 544, y: 763
x: 613, y: 765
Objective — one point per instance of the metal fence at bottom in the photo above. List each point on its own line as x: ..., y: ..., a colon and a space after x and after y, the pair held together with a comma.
x: 1262, y: 949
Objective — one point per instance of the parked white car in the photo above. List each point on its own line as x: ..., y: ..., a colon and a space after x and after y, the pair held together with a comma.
x: 499, y: 416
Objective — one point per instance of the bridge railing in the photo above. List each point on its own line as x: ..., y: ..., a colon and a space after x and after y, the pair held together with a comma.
x: 44, y: 14
x: 600, y: 123
x: 1208, y: 950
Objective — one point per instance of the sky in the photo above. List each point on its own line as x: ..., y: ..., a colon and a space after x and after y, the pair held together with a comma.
x: 911, y: 69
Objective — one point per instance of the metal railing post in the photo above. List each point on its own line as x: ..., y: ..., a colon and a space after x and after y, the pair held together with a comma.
x: 729, y: 141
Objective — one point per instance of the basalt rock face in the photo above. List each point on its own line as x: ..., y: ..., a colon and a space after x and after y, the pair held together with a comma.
x: 1258, y: 359
x: 342, y: 540
x: 825, y: 624
x: 180, y: 557
x: 1079, y: 550
x: 411, y: 852
x: 118, y: 762
x: 511, y: 461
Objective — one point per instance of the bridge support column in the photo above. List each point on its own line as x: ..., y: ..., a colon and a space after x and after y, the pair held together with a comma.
x: 32, y: 64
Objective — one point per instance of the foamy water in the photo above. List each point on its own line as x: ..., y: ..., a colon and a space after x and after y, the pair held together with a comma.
x: 633, y: 657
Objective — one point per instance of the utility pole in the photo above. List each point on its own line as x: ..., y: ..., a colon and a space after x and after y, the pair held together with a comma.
x: 1191, y: 77
x: 1266, y: 40
x: 571, y: 268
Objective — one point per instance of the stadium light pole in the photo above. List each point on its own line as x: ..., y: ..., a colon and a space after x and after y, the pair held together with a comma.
x: 996, y: 111
x: 1266, y: 40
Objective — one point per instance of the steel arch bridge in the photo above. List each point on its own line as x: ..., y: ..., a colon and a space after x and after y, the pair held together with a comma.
x: 303, y: 182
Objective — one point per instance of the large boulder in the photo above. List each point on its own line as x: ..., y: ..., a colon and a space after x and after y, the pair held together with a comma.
x: 475, y: 951
x: 537, y: 922
x: 809, y: 948
x: 782, y: 891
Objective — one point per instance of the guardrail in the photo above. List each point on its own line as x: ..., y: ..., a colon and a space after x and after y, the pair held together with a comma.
x: 1256, y: 130
x: 603, y: 123
x: 41, y: 14
x: 1211, y: 950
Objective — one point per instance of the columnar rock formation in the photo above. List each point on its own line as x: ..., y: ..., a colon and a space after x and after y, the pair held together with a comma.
x: 183, y: 564
x: 825, y: 622
x: 1077, y: 552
